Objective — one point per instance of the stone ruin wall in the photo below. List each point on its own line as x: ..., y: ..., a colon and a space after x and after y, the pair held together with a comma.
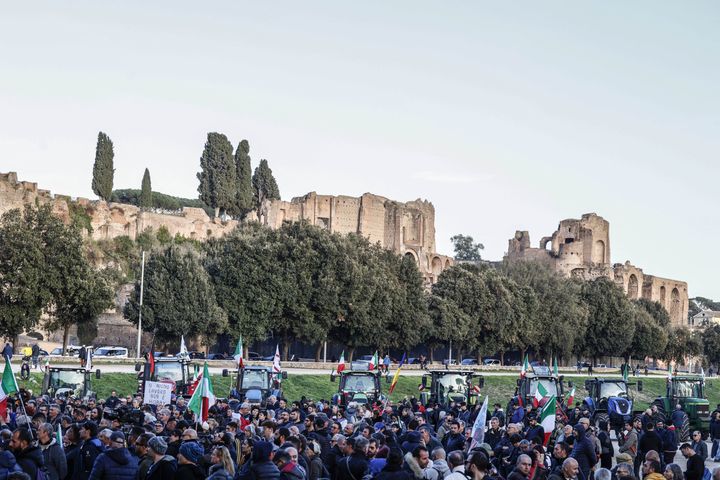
x: 581, y: 248
x: 404, y: 228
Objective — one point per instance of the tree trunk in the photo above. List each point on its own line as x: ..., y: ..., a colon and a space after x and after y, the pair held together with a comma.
x: 502, y: 357
x: 285, y: 349
x: 431, y: 354
x: 66, y: 335
x: 351, y: 352
x: 318, y: 350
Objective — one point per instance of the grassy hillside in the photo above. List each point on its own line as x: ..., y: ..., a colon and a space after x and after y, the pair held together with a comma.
x: 319, y: 387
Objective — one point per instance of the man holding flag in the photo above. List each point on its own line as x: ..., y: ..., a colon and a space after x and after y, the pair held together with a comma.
x: 397, y: 375
x: 8, y: 386
x: 203, y: 397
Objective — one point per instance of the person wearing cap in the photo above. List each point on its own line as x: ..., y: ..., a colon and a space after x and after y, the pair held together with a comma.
x: 188, y: 459
x: 145, y: 460
x: 260, y: 466
x: 164, y: 466
x: 55, y: 461
x: 116, y: 463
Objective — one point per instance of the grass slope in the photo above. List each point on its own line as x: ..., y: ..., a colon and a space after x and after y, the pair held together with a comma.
x: 320, y: 387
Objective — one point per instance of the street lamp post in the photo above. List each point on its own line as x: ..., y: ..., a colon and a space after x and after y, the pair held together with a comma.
x: 142, y: 285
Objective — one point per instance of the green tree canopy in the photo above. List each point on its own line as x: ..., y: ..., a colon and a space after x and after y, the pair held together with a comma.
x: 466, y: 248
x: 681, y: 343
x: 711, y: 344
x: 218, y: 174
x: 244, y: 179
x: 179, y: 298
x: 264, y: 186
x: 146, y: 199
x: 103, y: 170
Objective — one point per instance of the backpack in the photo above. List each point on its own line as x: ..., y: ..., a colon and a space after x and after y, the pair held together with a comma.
x: 707, y: 474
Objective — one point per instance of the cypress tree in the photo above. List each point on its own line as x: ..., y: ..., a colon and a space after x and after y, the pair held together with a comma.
x: 146, y: 199
x: 218, y: 184
x: 103, y: 171
x: 244, y: 179
x: 265, y: 186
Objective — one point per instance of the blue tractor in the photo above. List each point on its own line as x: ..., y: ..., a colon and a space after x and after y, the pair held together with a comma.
x: 608, y: 400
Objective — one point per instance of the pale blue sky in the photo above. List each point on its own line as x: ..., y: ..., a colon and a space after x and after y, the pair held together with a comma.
x: 506, y: 115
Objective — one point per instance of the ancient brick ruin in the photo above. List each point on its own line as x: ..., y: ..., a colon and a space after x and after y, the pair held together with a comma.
x: 581, y: 248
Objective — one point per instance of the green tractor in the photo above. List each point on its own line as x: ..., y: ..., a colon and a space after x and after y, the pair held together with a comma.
x: 688, y: 391
x: 255, y: 384
x: 448, y: 386
x: 66, y: 381
x: 359, y: 384
x: 527, y: 386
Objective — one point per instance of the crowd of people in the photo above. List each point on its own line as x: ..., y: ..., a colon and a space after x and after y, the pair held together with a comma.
x: 120, y: 437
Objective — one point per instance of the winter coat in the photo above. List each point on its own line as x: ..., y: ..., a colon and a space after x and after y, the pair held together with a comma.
x: 630, y: 444
x: 699, y: 447
x: 352, y: 467
x: 668, y: 438
x: 55, y: 461
x: 218, y: 472
x: 144, y: 464
x: 394, y: 473
x: 164, y: 469
x: 458, y: 473
x: 412, y: 440
x: 453, y: 442
x: 493, y: 437
x: 437, y: 470
x: 189, y: 471
x: 650, y: 440
x: 115, y: 464
x: 321, y: 436
x: 677, y: 418
x: 584, y: 451
x: 88, y: 452
x: 517, y: 475
x: 292, y: 471
x: 30, y: 460
x: 259, y: 471
x: 8, y: 465
x: 317, y: 469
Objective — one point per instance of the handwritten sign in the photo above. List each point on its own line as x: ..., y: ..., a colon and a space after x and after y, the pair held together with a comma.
x: 157, y: 393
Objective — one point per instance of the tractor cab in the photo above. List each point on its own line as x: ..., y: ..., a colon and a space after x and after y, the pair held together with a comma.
x: 359, y: 384
x: 540, y: 378
x: 172, y: 370
x: 255, y: 384
x: 447, y: 386
x: 688, y: 391
x: 67, y: 381
x: 609, y: 400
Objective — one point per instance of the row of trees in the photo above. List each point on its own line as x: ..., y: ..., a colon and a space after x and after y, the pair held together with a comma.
x: 303, y: 283
x: 45, y: 273
x: 226, y: 183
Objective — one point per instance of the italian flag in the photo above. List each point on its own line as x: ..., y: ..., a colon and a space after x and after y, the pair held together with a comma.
x: 58, y: 437
x: 571, y: 397
x: 341, y: 363
x: 276, y: 360
x: 374, y: 362
x: 540, y: 393
x: 239, y: 354
x: 203, y: 397
x: 547, y: 418
x: 8, y: 386
x: 525, y: 367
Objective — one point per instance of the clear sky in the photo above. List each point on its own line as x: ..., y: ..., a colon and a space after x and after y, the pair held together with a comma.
x: 506, y: 115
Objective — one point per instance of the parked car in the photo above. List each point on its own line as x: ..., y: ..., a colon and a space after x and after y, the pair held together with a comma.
x: 217, y: 356
x: 111, y: 352
x: 71, y: 350
x: 491, y: 362
x: 197, y: 355
x: 254, y: 356
x: 449, y: 362
x: 469, y: 361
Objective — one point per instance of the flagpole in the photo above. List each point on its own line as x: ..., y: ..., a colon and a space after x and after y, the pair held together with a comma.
x: 142, y: 284
x: 22, y: 404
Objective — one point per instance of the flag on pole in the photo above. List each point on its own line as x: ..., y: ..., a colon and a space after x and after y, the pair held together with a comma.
x: 58, y: 436
x: 151, y: 361
x: 203, y: 397
x: 341, y: 363
x: 276, y: 360
x: 8, y: 386
x: 239, y: 354
x: 525, y: 367
x: 556, y: 370
x: 183, y: 348
x: 478, y: 429
x: 374, y: 361
x: 547, y: 418
x: 571, y: 397
x: 625, y: 369
x: 88, y: 359
x: 397, y: 375
x: 540, y: 393
x: 195, y: 381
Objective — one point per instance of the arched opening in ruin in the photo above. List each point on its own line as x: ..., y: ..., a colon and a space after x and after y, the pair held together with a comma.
x: 598, y: 254
x: 447, y: 263
x: 436, y: 266
x: 662, y: 295
x: 411, y: 256
x: 632, y: 287
x: 674, y: 304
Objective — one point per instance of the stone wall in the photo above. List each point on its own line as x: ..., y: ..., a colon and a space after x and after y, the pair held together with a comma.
x: 581, y: 248
x: 405, y: 228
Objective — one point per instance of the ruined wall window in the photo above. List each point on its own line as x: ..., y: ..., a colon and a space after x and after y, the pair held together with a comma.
x: 662, y: 295
x: 598, y: 255
x: 569, y: 240
x: 674, y: 304
x: 323, y: 222
x: 633, y: 287
x: 436, y: 266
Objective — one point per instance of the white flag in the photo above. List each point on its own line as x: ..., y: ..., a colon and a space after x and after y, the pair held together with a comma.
x: 276, y: 360
x: 183, y: 348
x: 478, y: 429
x: 88, y: 358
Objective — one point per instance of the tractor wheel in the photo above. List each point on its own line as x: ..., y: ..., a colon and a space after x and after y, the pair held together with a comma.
x: 601, y: 417
x: 661, y: 416
x: 684, y: 433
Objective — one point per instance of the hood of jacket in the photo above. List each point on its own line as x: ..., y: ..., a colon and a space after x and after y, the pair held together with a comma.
x: 413, y: 465
x: 292, y: 470
x: 441, y: 466
x: 121, y: 455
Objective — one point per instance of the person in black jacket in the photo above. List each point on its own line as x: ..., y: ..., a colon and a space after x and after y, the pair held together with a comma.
x: 28, y: 456
x: 649, y: 440
x: 583, y: 451
x: 115, y: 463
x: 695, y: 465
x: 607, y: 451
x: 356, y: 465
x: 90, y: 448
